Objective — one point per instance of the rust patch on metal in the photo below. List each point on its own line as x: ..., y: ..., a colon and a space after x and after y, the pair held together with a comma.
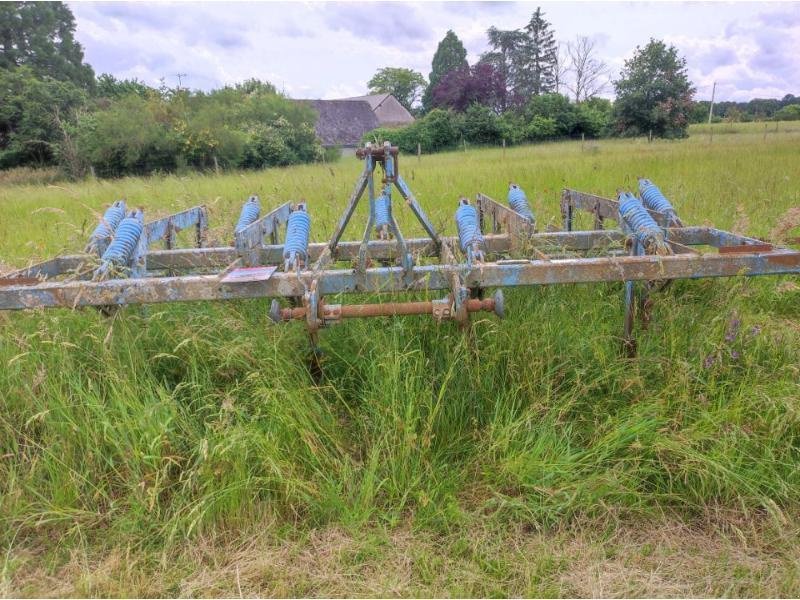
x: 745, y: 249
x: 788, y: 259
x: 19, y: 281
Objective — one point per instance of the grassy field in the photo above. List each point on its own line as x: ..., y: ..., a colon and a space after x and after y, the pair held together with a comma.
x: 185, y: 449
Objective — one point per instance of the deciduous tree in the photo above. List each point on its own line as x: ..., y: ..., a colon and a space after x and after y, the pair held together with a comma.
x: 40, y: 35
x: 588, y: 72
x: 406, y: 85
x: 28, y: 109
x: 480, y: 84
x: 654, y: 92
x: 508, y: 56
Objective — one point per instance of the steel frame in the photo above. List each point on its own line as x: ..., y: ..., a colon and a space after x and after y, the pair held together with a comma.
x: 516, y: 255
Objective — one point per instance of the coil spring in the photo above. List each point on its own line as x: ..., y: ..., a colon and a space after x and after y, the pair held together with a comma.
x: 107, y: 226
x: 518, y: 201
x: 469, y: 230
x: 640, y: 224
x: 382, y: 209
x: 655, y: 200
x: 298, y: 228
x: 121, y: 249
x: 250, y: 212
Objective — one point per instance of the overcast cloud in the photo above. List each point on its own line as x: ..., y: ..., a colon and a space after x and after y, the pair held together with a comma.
x: 330, y: 50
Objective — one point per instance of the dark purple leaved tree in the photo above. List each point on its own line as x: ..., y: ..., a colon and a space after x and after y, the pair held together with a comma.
x: 482, y: 84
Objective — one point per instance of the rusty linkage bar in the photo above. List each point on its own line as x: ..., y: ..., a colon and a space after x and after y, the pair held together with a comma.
x: 440, y: 309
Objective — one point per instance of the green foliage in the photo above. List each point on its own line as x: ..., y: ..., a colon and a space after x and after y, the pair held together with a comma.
x: 654, y: 93
x: 699, y: 112
x: 541, y: 52
x: 30, y: 109
x: 482, y: 126
x: 442, y: 129
x: 509, y: 56
x: 40, y: 35
x: 756, y: 109
x: 132, y: 136
x: 788, y: 113
x: 525, y: 58
x: 438, y: 130
x: 545, y: 117
x: 513, y: 126
x: 108, y: 86
x: 406, y: 85
x: 595, y: 117
x: 556, y: 108
x: 247, y: 126
x: 450, y: 55
x: 541, y: 128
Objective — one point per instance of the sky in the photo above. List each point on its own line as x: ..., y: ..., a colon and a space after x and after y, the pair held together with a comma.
x: 331, y: 49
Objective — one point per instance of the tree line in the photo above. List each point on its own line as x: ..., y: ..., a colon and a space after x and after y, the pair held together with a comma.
x: 528, y: 87
x: 54, y: 110
x: 758, y: 109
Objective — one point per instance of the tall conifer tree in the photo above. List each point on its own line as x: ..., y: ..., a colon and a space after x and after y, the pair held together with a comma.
x: 540, y: 77
x: 450, y: 55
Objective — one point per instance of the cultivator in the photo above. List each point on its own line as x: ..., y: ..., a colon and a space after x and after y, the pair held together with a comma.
x: 496, y: 246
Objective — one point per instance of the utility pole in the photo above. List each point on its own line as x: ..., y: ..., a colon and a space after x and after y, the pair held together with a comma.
x: 180, y: 77
x: 711, y: 108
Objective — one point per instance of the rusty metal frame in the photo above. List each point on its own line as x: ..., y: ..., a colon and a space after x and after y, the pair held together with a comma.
x: 250, y: 240
x: 504, y: 219
x: 516, y: 255
x: 509, y: 273
x: 602, y: 209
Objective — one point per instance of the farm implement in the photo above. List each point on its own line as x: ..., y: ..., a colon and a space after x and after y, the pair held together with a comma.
x: 497, y: 246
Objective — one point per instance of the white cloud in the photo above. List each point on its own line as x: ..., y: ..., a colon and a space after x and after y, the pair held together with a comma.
x: 332, y: 49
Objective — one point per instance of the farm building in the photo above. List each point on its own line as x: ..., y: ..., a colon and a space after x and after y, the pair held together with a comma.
x: 344, y: 122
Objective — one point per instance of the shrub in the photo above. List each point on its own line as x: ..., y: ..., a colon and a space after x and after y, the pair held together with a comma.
x: 594, y: 117
x: 788, y: 113
x: 265, y: 147
x: 247, y: 126
x: 541, y: 128
x: 127, y: 138
x: 29, y: 108
x: 438, y: 130
x: 513, y: 127
x: 555, y: 107
x: 481, y: 125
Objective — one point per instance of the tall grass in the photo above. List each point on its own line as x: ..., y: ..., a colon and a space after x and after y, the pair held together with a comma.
x: 170, y: 421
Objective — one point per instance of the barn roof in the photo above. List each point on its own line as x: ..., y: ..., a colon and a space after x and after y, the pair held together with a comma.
x: 375, y: 100
x: 343, y: 122
x: 388, y: 109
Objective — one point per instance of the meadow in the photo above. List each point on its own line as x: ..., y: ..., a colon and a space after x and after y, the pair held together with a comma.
x: 186, y: 449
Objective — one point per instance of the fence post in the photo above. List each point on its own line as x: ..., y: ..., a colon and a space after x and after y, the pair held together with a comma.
x: 419, y: 152
x: 504, y: 148
x: 650, y: 137
x: 583, y: 139
x: 216, y: 165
